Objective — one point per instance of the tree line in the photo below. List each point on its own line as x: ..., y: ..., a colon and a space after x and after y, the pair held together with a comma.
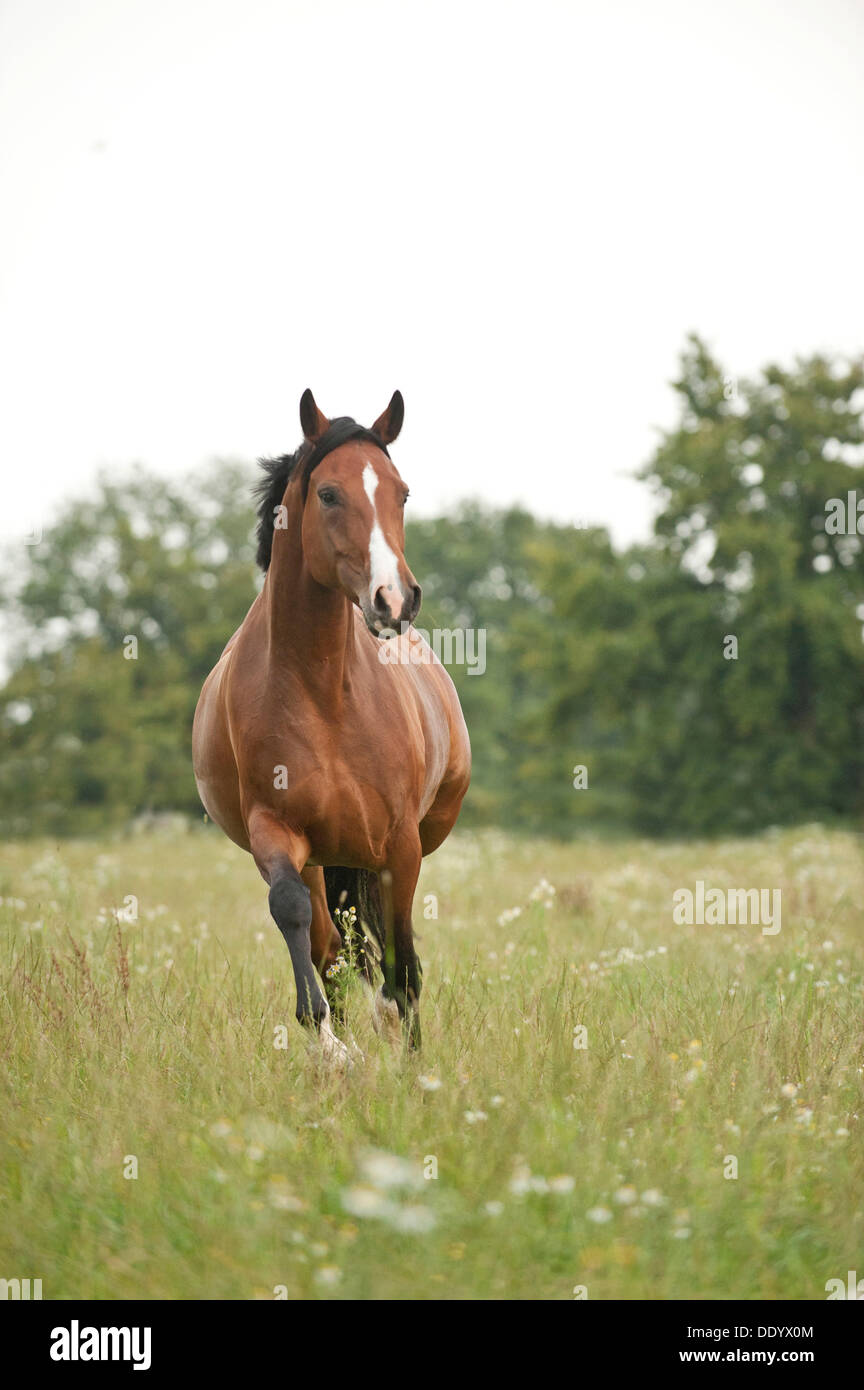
x: 709, y: 681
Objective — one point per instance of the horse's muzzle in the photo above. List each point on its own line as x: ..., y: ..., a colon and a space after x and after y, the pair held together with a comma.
x: 381, y: 618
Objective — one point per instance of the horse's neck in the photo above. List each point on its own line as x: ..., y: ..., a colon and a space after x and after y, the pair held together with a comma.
x: 311, y: 629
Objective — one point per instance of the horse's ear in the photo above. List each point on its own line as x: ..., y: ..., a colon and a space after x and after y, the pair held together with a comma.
x: 388, y: 425
x: 313, y: 423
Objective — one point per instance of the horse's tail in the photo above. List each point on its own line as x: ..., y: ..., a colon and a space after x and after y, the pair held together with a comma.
x: 359, y: 888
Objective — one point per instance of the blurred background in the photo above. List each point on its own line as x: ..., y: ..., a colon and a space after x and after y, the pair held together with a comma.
x: 610, y: 255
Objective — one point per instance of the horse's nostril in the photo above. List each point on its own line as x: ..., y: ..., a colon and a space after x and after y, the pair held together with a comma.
x: 392, y: 603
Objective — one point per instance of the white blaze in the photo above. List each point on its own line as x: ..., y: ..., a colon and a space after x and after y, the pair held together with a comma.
x: 383, y: 565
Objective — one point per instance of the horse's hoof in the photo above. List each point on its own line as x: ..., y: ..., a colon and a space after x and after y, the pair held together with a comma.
x: 385, y: 1018
x: 334, y: 1052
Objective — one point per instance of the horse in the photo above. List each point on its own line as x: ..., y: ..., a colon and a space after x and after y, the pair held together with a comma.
x: 328, y: 740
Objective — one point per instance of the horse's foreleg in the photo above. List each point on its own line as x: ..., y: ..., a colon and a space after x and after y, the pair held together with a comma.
x: 402, y: 971
x: 325, y: 938
x: 291, y: 909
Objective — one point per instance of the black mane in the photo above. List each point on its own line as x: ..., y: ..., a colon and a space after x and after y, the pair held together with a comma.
x: 271, y: 489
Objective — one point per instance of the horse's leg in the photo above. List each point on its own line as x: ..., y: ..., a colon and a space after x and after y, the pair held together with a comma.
x: 324, y: 936
x: 325, y: 939
x: 281, y: 856
x: 402, y: 971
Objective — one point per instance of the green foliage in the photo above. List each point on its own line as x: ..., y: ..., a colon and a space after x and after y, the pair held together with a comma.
x: 741, y: 549
x: 616, y: 661
x: 90, y: 737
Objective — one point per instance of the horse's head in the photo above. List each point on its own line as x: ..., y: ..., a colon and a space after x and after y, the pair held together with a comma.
x: 353, y: 524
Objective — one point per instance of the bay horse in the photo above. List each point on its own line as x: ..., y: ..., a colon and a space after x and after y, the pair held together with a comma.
x: 337, y: 769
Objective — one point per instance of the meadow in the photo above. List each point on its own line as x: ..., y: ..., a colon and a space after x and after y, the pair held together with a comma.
x: 592, y: 1076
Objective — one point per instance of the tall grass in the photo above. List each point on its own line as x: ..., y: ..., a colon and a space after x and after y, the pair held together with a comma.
x: 559, y: 1166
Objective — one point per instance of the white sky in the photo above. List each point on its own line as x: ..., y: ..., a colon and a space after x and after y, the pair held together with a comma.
x: 512, y: 211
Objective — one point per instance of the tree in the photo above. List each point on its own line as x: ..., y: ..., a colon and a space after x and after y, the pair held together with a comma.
x: 122, y: 609
x: 743, y: 483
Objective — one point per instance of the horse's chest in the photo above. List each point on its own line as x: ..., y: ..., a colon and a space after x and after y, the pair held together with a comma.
x: 350, y: 782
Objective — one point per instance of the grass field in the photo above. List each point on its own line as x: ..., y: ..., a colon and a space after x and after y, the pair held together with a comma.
x: 558, y: 1166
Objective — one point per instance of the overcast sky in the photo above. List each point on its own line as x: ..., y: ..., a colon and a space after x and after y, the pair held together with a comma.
x: 514, y: 212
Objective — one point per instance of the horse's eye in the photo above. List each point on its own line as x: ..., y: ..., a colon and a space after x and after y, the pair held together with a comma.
x: 329, y: 496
